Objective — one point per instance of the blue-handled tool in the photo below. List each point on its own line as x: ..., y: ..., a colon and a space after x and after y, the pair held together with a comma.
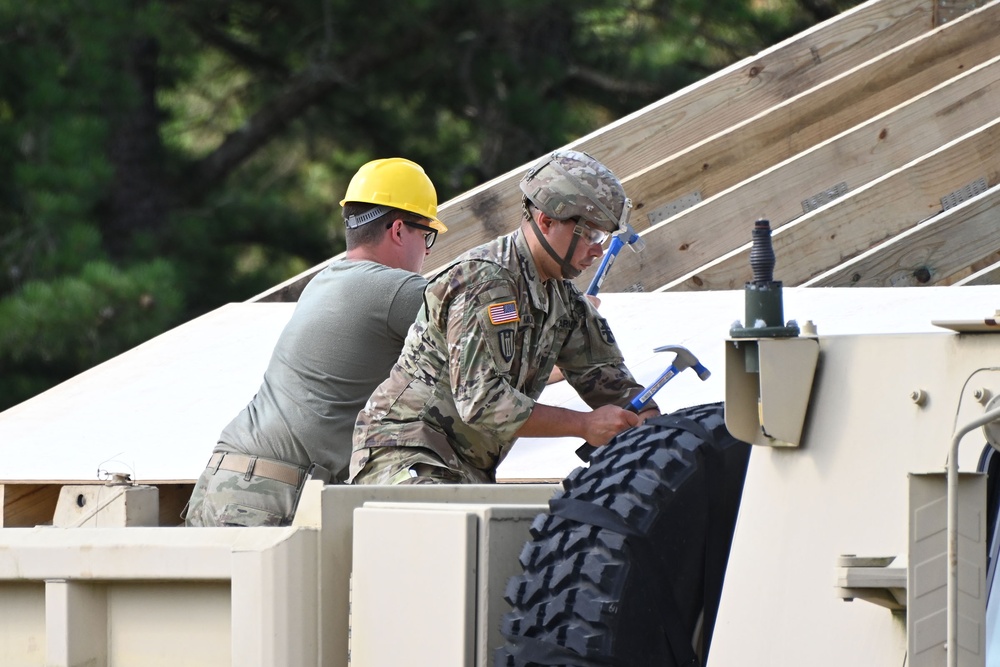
x: 683, y: 359
x: 627, y: 236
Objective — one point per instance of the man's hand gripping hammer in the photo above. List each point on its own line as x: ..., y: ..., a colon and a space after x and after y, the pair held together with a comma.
x: 683, y: 359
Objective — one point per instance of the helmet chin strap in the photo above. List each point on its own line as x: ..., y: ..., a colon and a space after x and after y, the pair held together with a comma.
x: 569, y: 272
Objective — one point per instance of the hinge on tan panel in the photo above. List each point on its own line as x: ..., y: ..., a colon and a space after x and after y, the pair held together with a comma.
x: 949, y: 10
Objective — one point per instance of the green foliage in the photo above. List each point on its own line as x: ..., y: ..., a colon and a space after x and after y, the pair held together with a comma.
x: 63, y: 325
x: 159, y: 159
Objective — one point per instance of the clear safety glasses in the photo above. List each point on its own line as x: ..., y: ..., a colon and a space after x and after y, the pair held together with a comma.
x: 589, y: 234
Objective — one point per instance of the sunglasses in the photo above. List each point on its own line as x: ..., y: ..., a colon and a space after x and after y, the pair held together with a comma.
x: 589, y: 234
x: 431, y: 234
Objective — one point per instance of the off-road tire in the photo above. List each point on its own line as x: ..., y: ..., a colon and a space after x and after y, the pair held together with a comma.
x: 627, y: 567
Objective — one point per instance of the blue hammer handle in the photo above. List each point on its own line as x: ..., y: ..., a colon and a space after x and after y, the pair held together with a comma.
x: 639, y: 403
x: 609, y: 258
x: 641, y: 400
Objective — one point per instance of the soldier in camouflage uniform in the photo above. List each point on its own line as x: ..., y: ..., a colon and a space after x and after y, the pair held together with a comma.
x: 493, y: 326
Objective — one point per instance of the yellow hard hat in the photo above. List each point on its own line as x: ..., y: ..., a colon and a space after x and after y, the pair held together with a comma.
x: 395, y: 182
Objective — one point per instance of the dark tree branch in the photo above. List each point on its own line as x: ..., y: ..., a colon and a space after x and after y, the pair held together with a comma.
x: 610, y: 84
x: 308, y: 88
x: 821, y: 10
x: 239, y: 51
x: 138, y: 199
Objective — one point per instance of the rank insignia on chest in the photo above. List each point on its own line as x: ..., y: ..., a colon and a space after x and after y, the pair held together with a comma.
x: 503, y: 313
x: 606, y: 334
x: 506, y: 337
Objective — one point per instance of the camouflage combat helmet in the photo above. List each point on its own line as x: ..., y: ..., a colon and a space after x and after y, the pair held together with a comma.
x: 571, y: 185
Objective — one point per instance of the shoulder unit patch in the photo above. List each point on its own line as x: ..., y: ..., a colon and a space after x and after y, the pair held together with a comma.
x: 506, y: 338
x: 605, y: 330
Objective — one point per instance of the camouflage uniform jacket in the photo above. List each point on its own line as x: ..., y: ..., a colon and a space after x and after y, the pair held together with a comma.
x: 480, y: 353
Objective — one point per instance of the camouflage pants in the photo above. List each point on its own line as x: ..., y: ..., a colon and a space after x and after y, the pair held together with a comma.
x: 411, y: 465
x: 226, y: 498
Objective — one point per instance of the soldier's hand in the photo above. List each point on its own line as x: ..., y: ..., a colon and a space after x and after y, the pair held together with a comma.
x: 648, y: 414
x: 608, y: 421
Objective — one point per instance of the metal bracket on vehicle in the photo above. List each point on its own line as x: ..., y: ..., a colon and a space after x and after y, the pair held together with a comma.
x: 873, y: 579
x: 767, y: 400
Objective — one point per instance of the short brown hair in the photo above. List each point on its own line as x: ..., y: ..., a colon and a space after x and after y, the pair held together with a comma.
x: 370, y: 233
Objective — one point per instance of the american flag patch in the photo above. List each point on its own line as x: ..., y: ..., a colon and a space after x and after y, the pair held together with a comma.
x: 501, y: 313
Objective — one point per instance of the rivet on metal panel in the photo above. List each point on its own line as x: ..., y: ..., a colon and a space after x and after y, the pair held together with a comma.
x: 670, y: 209
x: 919, y: 396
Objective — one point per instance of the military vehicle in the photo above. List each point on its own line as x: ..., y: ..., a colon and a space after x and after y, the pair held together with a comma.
x: 826, y: 497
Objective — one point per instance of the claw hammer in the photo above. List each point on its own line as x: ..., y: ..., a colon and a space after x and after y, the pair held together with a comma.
x: 683, y: 359
x: 627, y: 236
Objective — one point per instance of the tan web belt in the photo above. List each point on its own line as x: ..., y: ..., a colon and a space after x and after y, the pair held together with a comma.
x: 253, y: 465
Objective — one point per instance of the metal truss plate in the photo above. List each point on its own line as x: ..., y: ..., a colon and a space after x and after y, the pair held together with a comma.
x: 952, y: 199
x: 949, y: 10
x: 670, y: 209
x: 824, y: 197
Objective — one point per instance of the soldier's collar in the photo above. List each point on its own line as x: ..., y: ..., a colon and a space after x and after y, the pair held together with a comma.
x: 529, y: 271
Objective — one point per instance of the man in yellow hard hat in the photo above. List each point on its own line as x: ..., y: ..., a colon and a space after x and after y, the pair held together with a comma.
x: 343, y: 338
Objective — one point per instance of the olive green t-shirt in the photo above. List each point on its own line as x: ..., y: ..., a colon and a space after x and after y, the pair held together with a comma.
x: 340, y: 343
